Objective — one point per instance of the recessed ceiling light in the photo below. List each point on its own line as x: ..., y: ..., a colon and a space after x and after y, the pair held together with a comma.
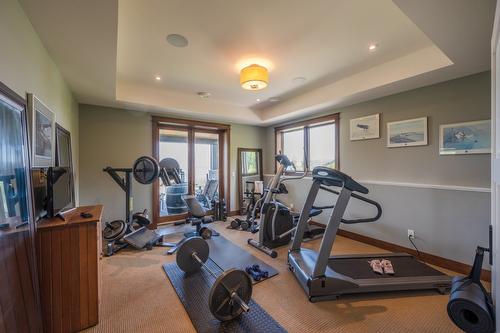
x: 203, y: 94
x: 158, y: 78
x: 299, y: 80
x: 372, y: 46
x: 177, y: 40
x: 258, y: 99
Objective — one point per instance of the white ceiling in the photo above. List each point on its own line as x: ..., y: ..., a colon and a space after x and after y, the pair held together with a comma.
x: 109, y: 52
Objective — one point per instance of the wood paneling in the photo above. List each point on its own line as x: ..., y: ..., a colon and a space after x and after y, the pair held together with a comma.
x: 68, y: 264
x: 426, y: 257
x: 18, y: 301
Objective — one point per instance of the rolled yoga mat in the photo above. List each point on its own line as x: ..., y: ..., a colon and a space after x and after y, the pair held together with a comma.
x: 468, y: 307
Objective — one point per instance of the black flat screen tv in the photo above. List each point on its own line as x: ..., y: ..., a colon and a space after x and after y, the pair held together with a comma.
x: 59, y: 190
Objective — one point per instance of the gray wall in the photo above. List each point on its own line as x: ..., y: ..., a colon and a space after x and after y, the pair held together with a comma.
x: 116, y: 138
x: 449, y: 220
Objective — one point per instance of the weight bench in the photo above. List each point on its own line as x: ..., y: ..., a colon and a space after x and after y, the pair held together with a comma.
x: 198, y: 216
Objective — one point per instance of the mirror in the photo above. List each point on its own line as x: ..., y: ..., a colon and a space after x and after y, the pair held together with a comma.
x: 14, y: 207
x: 249, y: 171
x: 64, y: 159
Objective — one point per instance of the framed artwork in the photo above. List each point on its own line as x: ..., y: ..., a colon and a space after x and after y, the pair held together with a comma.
x: 405, y: 133
x: 365, y: 128
x: 42, y: 124
x: 473, y: 137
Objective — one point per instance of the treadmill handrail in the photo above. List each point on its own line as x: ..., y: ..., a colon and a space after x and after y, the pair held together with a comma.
x: 359, y: 197
x: 331, y: 177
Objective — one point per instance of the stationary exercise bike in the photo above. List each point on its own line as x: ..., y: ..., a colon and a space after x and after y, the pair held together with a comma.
x: 277, y: 222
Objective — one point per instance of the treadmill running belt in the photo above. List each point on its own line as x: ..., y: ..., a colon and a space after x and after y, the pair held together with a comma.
x: 359, y: 268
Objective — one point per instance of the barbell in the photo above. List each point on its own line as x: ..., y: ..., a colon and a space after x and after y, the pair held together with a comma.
x: 231, y: 291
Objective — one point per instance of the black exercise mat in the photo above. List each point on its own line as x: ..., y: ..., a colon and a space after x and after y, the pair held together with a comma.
x: 193, y: 291
x: 228, y: 255
x: 359, y: 268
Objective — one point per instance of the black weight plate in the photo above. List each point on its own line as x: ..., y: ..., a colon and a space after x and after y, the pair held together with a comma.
x: 235, y: 224
x: 219, y: 301
x: 245, y: 225
x: 184, y: 257
x: 146, y: 169
x: 114, y: 230
x: 169, y: 164
x: 141, y: 219
x: 205, y: 233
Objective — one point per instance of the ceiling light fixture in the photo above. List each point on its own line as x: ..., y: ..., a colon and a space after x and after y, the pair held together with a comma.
x: 299, y: 80
x: 258, y: 99
x: 254, y: 77
x: 177, y: 40
x: 158, y: 78
x: 372, y: 46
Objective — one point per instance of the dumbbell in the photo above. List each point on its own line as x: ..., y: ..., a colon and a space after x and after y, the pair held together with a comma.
x: 238, y: 223
x: 205, y: 233
x: 231, y: 291
x: 256, y: 273
x: 235, y: 223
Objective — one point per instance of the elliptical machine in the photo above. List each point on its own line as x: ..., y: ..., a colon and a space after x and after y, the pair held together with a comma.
x: 277, y: 222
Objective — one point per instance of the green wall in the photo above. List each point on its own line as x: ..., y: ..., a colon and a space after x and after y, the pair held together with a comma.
x: 26, y: 66
x: 117, y: 138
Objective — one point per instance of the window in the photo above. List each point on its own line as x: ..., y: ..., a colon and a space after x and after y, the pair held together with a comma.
x: 310, y: 143
x: 201, y: 149
x: 249, y: 163
x: 293, y: 147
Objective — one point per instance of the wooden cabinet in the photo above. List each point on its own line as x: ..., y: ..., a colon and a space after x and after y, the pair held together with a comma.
x: 19, y: 310
x: 68, y: 254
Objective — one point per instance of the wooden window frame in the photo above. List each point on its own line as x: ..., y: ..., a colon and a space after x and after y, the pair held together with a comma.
x: 306, y: 125
x: 192, y: 127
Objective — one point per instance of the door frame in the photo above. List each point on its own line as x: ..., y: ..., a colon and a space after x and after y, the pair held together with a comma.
x: 191, y: 126
x: 239, y: 175
x: 495, y: 156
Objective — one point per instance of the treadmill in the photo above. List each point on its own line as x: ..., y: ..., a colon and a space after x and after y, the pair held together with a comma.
x: 325, y: 277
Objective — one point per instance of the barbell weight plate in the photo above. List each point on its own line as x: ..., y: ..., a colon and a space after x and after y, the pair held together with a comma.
x: 235, y: 224
x: 220, y: 303
x: 205, y: 233
x: 146, y: 170
x: 141, y: 219
x: 185, y: 251
x: 169, y: 164
x: 244, y: 225
x: 114, y: 230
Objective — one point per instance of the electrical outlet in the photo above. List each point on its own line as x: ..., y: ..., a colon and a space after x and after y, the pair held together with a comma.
x: 411, y: 233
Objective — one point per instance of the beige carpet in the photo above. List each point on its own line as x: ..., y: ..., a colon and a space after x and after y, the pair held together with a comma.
x: 136, y: 296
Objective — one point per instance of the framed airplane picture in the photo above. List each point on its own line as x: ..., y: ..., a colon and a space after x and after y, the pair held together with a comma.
x: 407, y: 133
x: 473, y: 137
x: 365, y: 128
